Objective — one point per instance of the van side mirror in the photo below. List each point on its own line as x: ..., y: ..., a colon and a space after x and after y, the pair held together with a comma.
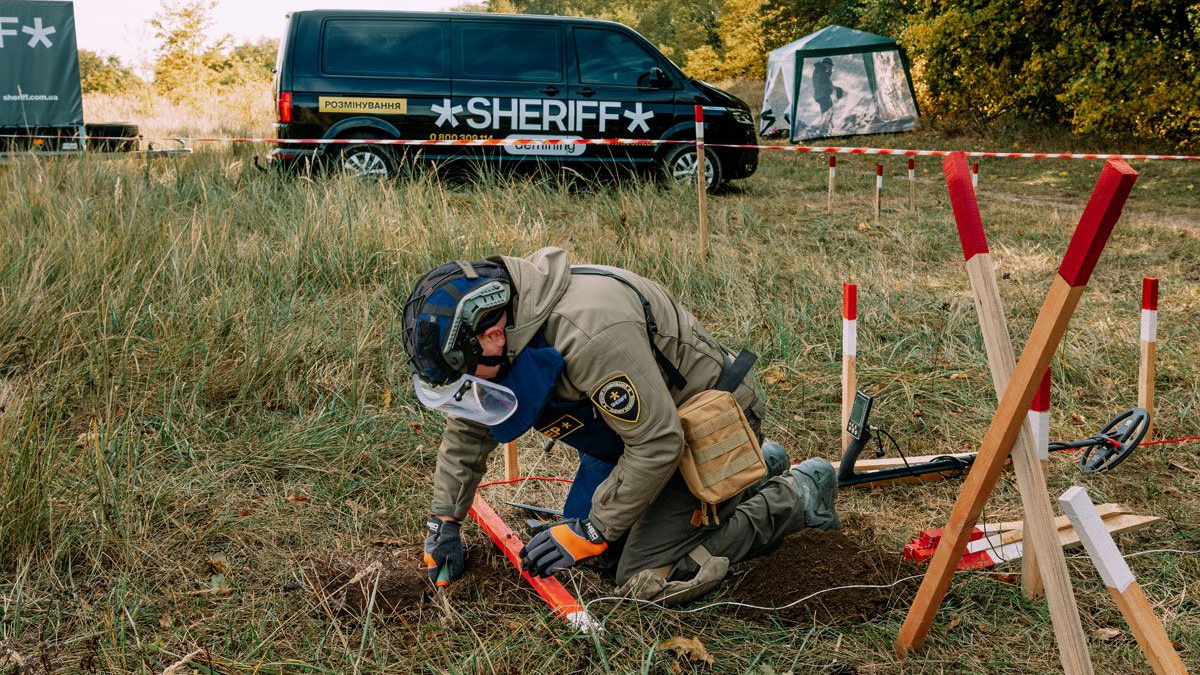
x: 655, y: 78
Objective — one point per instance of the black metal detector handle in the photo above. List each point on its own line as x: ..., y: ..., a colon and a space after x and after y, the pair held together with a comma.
x: 846, y: 474
x: 860, y: 433
x: 1113, y: 444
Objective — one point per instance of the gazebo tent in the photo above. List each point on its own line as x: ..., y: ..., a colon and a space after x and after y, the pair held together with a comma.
x: 838, y: 82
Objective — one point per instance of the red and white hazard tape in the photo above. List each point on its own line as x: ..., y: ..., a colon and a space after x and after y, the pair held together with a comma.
x: 471, y: 142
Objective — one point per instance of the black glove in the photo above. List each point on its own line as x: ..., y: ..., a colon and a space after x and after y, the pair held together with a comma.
x: 443, y: 547
x: 561, y: 546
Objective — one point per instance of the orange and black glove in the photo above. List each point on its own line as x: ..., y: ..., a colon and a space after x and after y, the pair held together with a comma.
x: 561, y: 546
x: 444, y: 550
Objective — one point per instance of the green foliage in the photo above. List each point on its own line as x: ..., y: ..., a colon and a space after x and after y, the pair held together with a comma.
x: 677, y: 27
x: 102, y: 74
x: 184, y: 47
x: 1113, y: 67
x: 192, y: 65
x: 247, y: 62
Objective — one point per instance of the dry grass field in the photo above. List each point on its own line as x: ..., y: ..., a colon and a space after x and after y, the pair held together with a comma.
x: 205, y: 400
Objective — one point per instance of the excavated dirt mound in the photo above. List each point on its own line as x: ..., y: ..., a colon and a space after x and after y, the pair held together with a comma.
x: 811, y: 561
x: 390, y: 570
x: 346, y: 579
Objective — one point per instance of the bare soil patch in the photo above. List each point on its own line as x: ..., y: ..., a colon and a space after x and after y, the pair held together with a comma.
x: 812, y: 561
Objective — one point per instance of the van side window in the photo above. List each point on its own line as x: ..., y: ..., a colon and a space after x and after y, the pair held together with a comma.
x: 609, y: 57
x: 390, y: 48
x: 511, y: 52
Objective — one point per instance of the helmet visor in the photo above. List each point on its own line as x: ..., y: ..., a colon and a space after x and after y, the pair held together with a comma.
x: 470, y: 398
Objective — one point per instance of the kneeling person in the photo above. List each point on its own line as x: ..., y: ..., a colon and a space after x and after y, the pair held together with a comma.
x: 599, y: 359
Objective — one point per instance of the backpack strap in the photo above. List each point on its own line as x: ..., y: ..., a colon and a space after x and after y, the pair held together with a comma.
x: 676, y: 378
x: 735, y: 371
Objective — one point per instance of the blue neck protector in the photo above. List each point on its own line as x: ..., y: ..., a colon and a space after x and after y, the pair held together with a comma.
x: 532, y: 378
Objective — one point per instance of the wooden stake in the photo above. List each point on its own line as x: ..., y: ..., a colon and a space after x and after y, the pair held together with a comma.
x: 975, y: 175
x: 701, y: 184
x: 832, y: 180
x: 912, y: 184
x: 849, y: 354
x: 1149, y: 631
x: 878, y: 190
x: 992, y: 323
x: 512, y: 462
x: 1148, y: 350
x: 1101, y: 214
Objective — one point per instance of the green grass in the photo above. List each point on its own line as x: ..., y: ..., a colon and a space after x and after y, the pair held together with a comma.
x: 204, y: 358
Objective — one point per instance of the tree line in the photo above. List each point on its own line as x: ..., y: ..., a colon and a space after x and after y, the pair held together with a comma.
x: 1117, y: 68
x: 189, y: 63
x: 1112, y: 67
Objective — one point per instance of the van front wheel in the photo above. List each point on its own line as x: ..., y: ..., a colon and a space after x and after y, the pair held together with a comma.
x: 366, y: 161
x: 679, y: 166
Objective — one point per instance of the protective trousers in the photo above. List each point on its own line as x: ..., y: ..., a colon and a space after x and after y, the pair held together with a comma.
x: 669, y: 559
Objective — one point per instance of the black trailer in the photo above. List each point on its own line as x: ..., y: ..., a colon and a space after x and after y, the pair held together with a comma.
x: 41, y: 101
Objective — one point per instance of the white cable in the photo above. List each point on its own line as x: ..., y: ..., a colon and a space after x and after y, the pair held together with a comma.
x: 1160, y: 550
x: 730, y: 603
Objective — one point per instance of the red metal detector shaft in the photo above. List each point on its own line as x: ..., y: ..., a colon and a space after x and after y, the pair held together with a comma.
x: 552, y: 591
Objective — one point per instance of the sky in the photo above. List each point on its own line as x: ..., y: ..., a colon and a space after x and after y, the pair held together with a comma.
x: 120, y: 26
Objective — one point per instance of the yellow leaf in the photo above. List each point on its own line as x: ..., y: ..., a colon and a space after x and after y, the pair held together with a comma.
x: 387, y: 398
x: 1106, y: 634
x: 689, y: 648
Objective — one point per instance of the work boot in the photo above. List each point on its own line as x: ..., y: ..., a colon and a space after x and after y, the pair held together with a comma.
x: 816, y: 481
x: 776, y: 458
x: 777, y: 461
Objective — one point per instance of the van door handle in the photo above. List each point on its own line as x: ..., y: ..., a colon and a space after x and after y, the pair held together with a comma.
x: 550, y: 91
x: 587, y: 91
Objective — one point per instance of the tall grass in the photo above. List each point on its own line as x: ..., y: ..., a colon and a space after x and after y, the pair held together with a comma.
x: 207, y: 358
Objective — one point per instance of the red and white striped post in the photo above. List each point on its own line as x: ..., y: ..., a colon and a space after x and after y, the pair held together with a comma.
x: 1095, y: 225
x: 832, y: 179
x: 1149, y: 349
x: 701, y: 184
x: 1039, y: 420
x: 912, y: 184
x: 878, y: 189
x: 849, y: 354
x: 975, y: 175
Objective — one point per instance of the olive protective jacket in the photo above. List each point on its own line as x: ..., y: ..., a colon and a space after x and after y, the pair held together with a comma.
x: 598, y: 325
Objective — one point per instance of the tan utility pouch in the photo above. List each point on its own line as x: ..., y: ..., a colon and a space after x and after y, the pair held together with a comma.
x: 721, y: 456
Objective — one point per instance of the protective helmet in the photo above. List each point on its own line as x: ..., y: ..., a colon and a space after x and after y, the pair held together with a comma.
x: 445, y: 313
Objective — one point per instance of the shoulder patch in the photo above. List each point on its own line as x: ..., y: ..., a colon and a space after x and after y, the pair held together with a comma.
x: 618, y: 398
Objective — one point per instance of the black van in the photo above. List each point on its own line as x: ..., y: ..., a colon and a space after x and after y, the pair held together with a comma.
x: 456, y: 76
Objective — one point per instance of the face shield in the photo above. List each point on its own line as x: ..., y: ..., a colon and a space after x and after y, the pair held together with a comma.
x: 470, y: 398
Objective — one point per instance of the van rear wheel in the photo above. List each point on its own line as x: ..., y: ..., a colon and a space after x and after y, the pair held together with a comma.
x: 366, y: 161
x: 679, y: 166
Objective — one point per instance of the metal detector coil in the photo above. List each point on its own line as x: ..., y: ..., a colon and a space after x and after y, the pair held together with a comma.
x: 1113, y: 444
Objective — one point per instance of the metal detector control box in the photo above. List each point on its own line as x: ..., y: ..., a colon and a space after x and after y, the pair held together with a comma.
x: 859, y: 413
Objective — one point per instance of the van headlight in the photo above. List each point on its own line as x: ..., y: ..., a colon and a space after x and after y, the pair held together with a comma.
x: 742, y: 117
